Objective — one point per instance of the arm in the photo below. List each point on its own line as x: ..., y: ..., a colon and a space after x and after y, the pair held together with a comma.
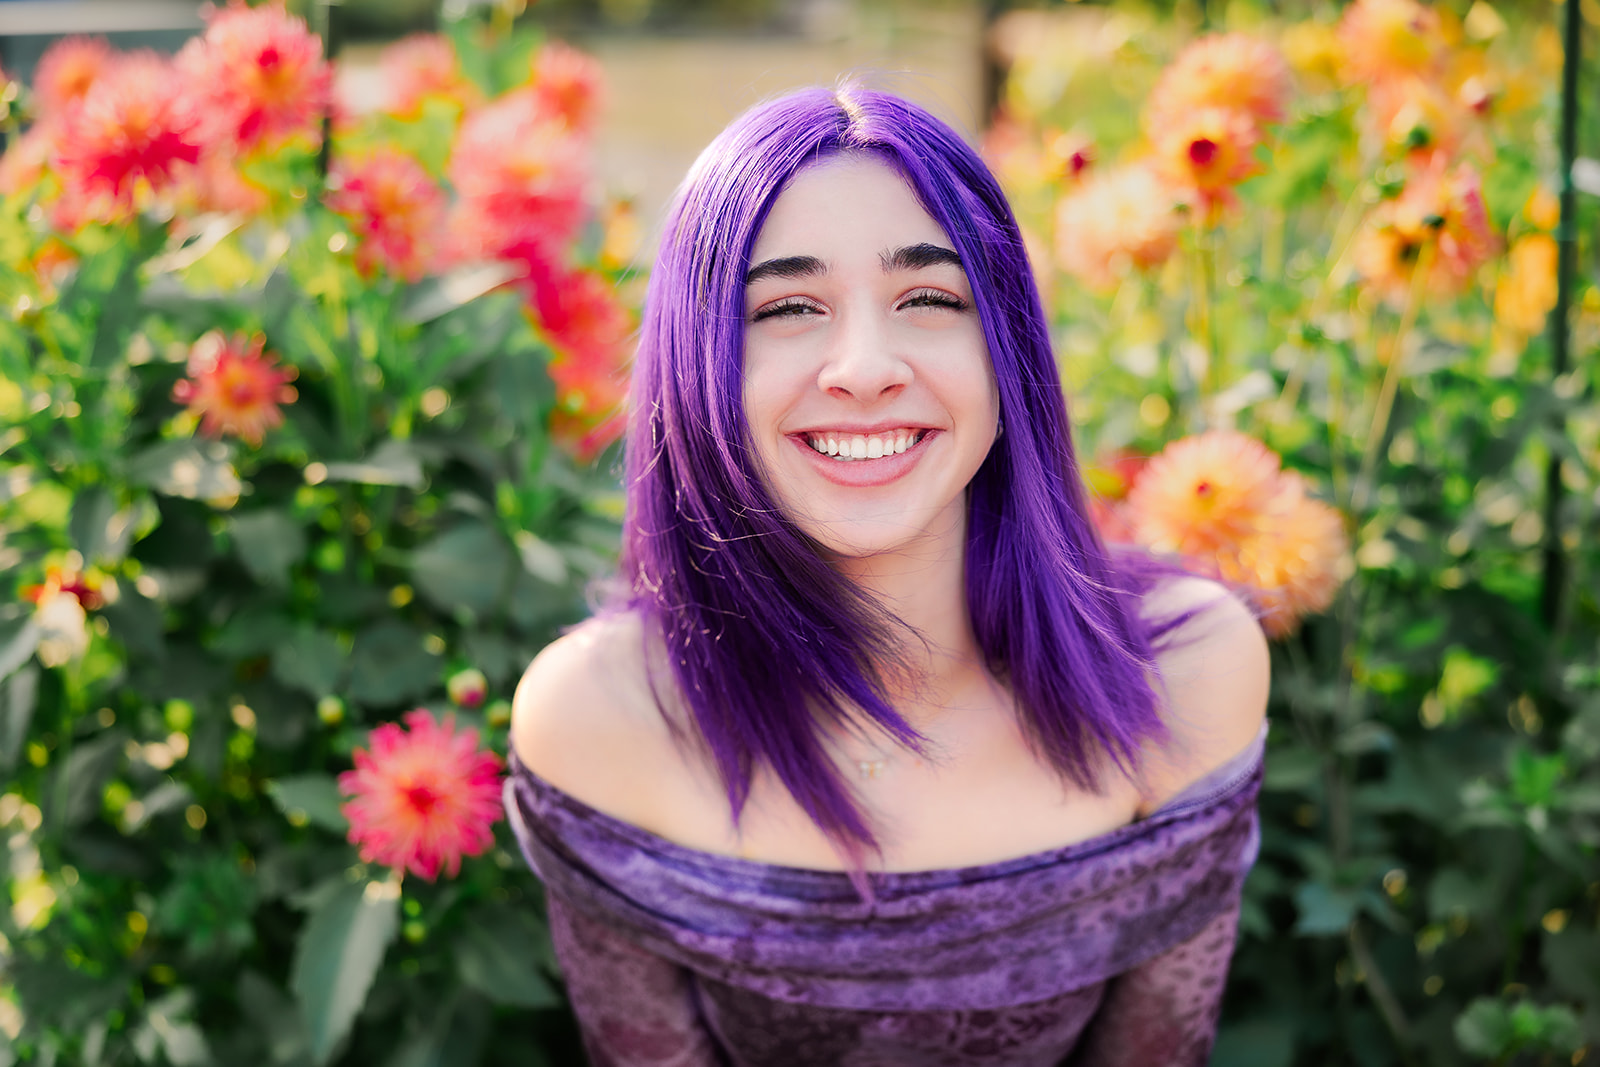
x: 634, y: 1009
x: 1164, y: 1011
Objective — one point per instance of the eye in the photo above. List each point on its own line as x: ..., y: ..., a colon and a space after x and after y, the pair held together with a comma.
x: 939, y: 298
x: 789, y: 306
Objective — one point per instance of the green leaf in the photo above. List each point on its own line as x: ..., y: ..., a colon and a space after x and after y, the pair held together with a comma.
x: 181, y: 1040
x: 390, y: 664
x: 314, y: 797
x: 100, y: 532
x: 18, y: 639
x: 252, y: 631
x: 392, y: 463
x: 430, y: 299
x: 1323, y: 911
x: 1292, y: 770
x: 468, y: 566
x: 194, y: 470
x: 1453, y: 892
x: 337, y: 957
x: 310, y: 660
x: 268, y: 543
x: 497, y: 952
x: 1484, y: 1029
x: 19, y: 695
x: 1257, y: 1043
x: 81, y: 777
x: 275, y: 1017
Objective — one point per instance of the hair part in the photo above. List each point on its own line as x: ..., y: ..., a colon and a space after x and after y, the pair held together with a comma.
x: 767, y: 643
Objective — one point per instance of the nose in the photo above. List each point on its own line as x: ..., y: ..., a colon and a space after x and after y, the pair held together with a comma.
x: 864, y: 363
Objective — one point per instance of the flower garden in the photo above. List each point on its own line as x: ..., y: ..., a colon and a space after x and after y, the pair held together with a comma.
x: 307, y: 446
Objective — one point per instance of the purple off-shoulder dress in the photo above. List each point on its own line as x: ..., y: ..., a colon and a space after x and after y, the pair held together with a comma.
x: 1106, y: 952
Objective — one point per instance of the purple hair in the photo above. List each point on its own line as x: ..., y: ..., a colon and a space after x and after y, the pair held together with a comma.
x: 766, y: 642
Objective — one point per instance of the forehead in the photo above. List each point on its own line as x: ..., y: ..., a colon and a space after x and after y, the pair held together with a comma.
x: 846, y: 203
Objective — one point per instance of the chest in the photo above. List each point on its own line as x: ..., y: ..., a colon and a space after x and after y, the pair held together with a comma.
x: 979, y: 797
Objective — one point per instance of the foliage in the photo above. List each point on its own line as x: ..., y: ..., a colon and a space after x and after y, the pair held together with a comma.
x: 1365, y: 290
x: 281, y: 459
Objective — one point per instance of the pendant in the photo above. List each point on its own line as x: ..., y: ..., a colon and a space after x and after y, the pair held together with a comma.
x: 871, y: 768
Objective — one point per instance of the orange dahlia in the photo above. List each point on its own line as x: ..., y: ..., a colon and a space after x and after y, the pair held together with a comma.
x: 259, y: 75
x: 423, y: 796
x: 235, y: 387
x: 129, y: 140
x: 424, y: 67
x: 1420, y: 117
x: 1204, y: 494
x: 1206, y: 152
x: 1113, y: 222
x: 1387, y: 39
x: 66, y: 71
x: 395, y: 209
x: 568, y: 84
x: 1441, y: 210
x: 1234, y: 71
x: 1296, y: 559
x: 1526, y: 290
x: 519, y: 175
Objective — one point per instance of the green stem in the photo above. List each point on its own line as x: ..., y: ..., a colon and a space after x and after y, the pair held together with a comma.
x: 1391, y: 380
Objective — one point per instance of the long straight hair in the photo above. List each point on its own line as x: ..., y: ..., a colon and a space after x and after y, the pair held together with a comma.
x: 768, y: 645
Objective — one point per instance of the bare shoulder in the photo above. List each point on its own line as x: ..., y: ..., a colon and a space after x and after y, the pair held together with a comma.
x: 1214, y: 675
x: 584, y: 717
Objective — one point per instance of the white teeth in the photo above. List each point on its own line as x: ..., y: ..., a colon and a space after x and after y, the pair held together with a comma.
x: 862, y: 446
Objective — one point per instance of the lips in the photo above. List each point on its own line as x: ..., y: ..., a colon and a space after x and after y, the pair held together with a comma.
x: 841, y: 468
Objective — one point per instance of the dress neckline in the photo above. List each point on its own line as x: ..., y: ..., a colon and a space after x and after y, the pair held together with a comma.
x: 1218, y: 784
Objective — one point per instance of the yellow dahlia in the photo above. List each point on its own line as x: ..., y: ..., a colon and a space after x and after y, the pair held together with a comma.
x: 1204, y: 494
x: 1234, y: 71
x: 1313, y: 51
x: 1113, y: 222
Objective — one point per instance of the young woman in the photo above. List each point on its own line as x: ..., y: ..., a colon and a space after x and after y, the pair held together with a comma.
x: 880, y: 758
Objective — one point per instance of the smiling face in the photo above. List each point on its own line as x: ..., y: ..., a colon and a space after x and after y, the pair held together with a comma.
x: 867, y: 383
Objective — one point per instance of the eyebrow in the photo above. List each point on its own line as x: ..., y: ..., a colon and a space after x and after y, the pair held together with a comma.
x: 911, y: 257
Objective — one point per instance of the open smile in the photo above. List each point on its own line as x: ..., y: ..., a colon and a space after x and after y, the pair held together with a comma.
x: 845, y: 446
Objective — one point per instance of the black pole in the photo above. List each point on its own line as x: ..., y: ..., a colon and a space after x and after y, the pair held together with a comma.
x: 326, y: 28
x: 1553, y: 594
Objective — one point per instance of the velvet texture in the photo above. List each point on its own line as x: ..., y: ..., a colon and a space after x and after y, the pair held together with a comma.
x: 1109, y: 951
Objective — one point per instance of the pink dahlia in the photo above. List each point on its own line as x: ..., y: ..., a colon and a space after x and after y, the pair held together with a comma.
x: 259, y: 75
x: 395, y: 209
x: 567, y: 83
x: 66, y: 72
x: 131, y: 139
x: 420, y: 68
x: 420, y: 800
x: 235, y: 387
x: 519, y: 174
x: 590, y: 329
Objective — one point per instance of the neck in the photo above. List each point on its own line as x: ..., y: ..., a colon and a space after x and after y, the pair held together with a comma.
x: 924, y: 584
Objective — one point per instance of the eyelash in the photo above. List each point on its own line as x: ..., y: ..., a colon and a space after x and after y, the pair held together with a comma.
x: 920, y: 298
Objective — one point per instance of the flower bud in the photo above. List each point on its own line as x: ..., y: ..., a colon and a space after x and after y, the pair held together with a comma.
x: 468, y: 688
x: 330, y: 709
